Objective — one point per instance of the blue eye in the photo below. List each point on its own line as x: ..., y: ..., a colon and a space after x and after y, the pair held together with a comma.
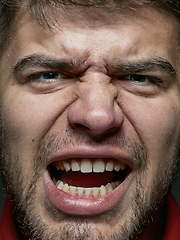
x: 139, y: 78
x: 50, y: 75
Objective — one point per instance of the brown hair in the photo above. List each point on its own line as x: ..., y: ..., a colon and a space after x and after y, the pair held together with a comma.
x: 38, y: 8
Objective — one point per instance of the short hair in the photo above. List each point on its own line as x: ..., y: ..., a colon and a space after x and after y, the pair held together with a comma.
x: 10, y: 8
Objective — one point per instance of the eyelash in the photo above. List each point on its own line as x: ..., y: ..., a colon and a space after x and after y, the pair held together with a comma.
x: 143, y: 79
x: 39, y: 75
x: 146, y: 79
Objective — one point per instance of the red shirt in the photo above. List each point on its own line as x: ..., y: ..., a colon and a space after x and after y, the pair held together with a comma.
x: 8, y: 229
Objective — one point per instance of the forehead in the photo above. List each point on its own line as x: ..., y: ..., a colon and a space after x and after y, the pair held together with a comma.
x: 121, y: 34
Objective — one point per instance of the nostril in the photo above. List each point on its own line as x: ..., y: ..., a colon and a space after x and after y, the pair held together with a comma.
x: 80, y: 127
x: 95, y: 117
x: 96, y: 133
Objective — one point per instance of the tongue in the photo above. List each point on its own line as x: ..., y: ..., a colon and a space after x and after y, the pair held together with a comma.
x: 86, y: 179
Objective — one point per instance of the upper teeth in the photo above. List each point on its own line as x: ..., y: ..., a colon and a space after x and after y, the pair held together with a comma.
x: 88, y: 166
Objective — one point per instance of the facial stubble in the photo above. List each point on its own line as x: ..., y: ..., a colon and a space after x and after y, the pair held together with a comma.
x: 24, y: 195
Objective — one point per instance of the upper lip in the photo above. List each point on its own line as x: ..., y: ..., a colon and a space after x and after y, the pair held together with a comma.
x: 92, y: 152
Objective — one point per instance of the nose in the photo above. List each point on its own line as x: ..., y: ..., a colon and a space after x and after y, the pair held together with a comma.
x: 96, y: 110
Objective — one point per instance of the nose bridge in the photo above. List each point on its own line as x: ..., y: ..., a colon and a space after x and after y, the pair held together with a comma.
x: 97, y: 91
x: 98, y: 102
x: 96, y: 108
x: 97, y: 87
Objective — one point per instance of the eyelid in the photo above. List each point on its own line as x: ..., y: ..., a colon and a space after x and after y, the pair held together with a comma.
x: 152, y: 79
x: 38, y: 75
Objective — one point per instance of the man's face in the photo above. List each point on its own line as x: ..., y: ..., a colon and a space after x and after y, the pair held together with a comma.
x: 85, y: 98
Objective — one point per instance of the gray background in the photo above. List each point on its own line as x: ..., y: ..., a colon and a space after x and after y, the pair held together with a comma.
x: 175, y: 190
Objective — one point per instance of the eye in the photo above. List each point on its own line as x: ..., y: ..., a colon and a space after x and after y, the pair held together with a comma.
x: 45, y: 77
x: 48, y: 81
x: 138, y: 78
x: 50, y: 75
x: 140, y: 84
x: 143, y: 79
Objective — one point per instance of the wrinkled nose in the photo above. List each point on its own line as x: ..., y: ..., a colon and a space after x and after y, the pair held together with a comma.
x: 96, y: 110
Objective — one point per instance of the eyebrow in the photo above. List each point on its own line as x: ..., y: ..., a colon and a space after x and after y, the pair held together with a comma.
x: 155, y: 64
x: 36, y: 60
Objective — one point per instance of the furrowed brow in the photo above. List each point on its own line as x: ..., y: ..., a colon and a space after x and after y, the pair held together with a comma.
x: 35, y: 60
x: 44, y: 62
x: 157, y: 64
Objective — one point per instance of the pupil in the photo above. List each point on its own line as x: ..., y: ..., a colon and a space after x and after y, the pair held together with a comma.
x: 50, y: 75
x: 138, y: 78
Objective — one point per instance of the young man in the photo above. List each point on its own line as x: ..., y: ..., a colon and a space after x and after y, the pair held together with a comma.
x: 90, y: 112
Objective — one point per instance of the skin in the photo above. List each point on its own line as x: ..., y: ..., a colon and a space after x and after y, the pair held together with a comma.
x: 92, y: 103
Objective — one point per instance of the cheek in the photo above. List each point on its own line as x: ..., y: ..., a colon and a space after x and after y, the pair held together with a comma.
x: 22, y: 118
x: 26, y: 119
x: 27, y: 116
x: 156, y: 122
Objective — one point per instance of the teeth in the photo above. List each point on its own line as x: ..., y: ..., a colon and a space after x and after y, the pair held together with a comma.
x: 113, y: 185
x: 123, y: 166
x: 59, y: 184
x: 103, y: 190
x: 75, y: 166
x: 65, y: 188
x: 98, y: 166
x: 88, y: 166
x: 72, y: 190
x: 58, y: 165
x: 117, y: 167
x: 87, y: 192
x: 109, y: 187
x: 67, y: 166
x: 117, y: 183
x: 80, y: 191
x: 109, y: 166
x: 95, y: 192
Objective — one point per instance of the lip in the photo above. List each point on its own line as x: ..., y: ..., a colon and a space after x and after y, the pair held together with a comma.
x: 93, y: 152
x: 87, y: 206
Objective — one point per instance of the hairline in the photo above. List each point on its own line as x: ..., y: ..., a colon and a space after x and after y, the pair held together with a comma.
x: 45, y: 22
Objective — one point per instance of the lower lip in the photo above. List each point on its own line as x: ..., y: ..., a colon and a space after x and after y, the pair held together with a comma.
x: 88, y: 206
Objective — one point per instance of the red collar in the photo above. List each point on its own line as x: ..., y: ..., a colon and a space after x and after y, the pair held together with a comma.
x: 8, y: 229
x: 172, y: 227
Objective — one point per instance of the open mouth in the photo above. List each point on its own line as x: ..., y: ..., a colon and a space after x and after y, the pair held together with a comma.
x: 88, y: 177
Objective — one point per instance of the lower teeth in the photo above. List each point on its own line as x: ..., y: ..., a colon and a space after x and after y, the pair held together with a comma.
x: 87, y: 192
